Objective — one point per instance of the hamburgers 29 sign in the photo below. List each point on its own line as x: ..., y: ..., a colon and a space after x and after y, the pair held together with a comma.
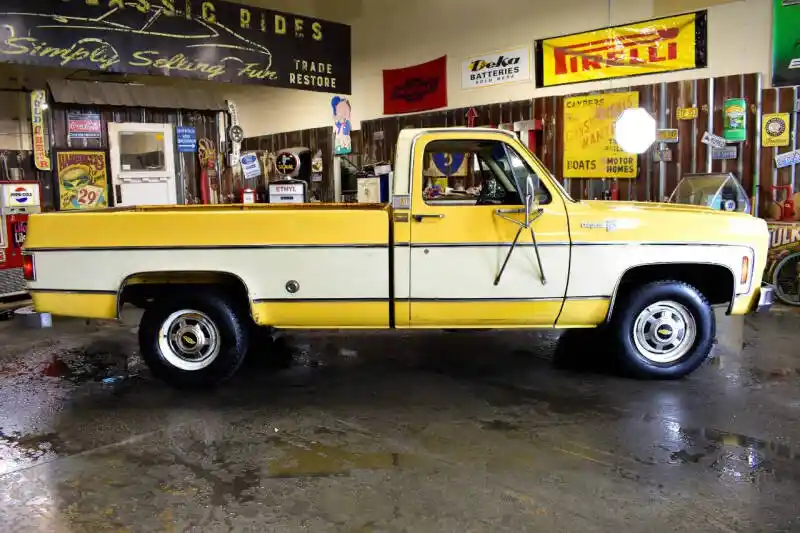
x: 496, y: 68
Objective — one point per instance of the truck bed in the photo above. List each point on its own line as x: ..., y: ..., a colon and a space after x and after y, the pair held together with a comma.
x: 337, y: 255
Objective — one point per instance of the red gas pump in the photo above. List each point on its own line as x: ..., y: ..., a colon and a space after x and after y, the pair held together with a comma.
x: 787, y: 206
x: 18, y: 199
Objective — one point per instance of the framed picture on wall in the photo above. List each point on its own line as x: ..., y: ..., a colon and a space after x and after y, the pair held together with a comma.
x: 82, y: 179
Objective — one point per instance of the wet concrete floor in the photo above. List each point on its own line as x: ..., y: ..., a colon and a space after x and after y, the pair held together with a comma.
x: 408, y: 432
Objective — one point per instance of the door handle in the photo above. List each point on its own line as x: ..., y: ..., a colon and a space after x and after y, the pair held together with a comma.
x: 422, y: 216
x: 118, y: 191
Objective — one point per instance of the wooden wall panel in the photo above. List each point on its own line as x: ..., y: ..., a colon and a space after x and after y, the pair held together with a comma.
x: 689, y: 155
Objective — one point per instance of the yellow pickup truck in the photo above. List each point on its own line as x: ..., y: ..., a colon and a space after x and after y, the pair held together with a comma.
x: 497, y: 244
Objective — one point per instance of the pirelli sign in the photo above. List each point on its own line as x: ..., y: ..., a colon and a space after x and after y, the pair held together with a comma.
x: 650, y: 47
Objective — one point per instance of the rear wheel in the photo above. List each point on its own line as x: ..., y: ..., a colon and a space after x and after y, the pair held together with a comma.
x: 193, y: 340
x: 663, y: 330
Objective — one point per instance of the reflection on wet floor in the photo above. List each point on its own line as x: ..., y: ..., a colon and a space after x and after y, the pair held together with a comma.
x: 486, y: 431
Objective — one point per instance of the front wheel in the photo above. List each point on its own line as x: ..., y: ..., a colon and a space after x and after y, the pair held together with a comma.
x: 663, y: 330
x: 193, y: 340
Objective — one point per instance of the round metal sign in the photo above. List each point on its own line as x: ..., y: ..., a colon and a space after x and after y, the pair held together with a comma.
x: 237, y: 134
x: 287, y: 163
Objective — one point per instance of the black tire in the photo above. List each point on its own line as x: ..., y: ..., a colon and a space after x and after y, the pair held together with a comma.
x: 231, y: 324
x: 636, y: 363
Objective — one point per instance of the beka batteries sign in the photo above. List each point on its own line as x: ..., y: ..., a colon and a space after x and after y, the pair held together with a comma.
x: 200, y: 39
x: 494, y: 69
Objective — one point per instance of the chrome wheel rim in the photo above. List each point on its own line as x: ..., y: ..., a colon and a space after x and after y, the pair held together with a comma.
x: 664, y: 332
x: 189, y: 340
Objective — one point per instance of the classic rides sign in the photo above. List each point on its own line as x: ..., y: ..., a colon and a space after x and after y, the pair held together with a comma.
x: 651, y: 47
x: 202, y: 39
x: 497, y: 68
x: 589, y: 147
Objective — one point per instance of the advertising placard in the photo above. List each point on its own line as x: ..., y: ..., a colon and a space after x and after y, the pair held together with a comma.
x: 250, y: 165
x: 20, y: 195
x: 734, y: 118
x: 497, y: 68
x: 775, y: 129
x: 650, y: 47
x: 198, y: 39
x: 187, y: 139
x: 82, y: 179
x: 417, y: 88
x: 590, y: 150
x: 785, y: 35
x: 84, y: 125
x: 342, y: 144
x: 41, y: 145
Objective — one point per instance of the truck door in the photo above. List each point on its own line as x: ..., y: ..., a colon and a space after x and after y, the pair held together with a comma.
x: 463, y: 224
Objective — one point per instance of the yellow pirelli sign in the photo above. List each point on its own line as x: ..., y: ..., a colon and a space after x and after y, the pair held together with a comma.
x: 651, y: 47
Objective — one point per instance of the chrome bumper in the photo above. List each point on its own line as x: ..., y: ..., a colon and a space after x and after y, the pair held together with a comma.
x: 766, y: 298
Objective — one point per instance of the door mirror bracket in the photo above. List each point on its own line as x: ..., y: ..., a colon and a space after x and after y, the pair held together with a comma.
x: 532, y: 212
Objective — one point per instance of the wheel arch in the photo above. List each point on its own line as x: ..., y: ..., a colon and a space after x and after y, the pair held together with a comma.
x: 144, y: 284
x: 717, y: 289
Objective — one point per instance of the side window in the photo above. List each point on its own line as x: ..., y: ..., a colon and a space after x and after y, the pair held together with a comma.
x: 465, y: 172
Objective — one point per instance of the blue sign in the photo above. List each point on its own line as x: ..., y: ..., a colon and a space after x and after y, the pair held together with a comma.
x: 448, y: 164
x: 250, y: 165
x: 187, y: 139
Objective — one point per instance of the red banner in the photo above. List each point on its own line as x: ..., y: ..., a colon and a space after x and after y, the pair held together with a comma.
x: 418, y: 88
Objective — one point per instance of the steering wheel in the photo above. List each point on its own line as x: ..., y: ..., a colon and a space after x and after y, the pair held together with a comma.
x: 491, y: 194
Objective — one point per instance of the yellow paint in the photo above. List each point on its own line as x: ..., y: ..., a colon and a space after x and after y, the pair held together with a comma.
x: 212, y: 225
x: 402, y: 319
x: 73, y: 304
x: 744, y: 304
x: 583, y: 313
x: 589, y: 147
x: 322, y: 314
x: 642, y: 222
x: 494, y: 314
x: 609, y: 52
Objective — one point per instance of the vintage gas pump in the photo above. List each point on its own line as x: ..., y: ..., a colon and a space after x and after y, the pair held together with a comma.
x: 294, y: 167
x: 18, y: 199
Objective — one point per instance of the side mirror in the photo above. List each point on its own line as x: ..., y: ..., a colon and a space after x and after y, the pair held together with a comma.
x: 531, y: 203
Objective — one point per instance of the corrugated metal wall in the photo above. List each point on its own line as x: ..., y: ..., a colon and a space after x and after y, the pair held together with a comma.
x: 662, y: 100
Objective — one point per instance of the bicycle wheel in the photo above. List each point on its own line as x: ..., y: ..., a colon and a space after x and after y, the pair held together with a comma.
x: 786, y: 279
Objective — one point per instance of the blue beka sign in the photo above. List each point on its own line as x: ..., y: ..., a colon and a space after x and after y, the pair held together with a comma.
x: 187, y: 139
